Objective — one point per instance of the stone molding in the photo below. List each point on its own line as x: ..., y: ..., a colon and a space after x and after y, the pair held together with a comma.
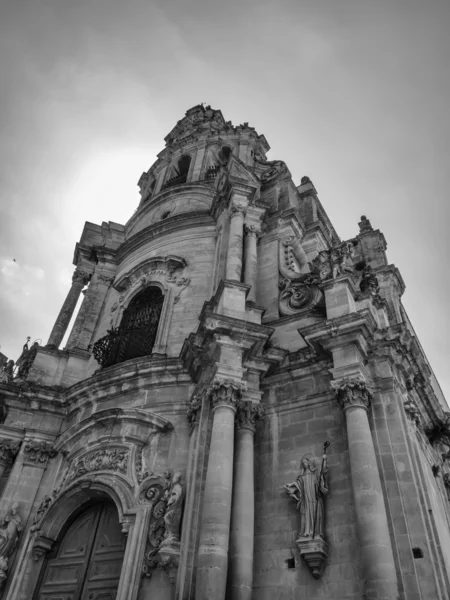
x: 352, y: 392
x: 247, y: 413
x: 38, y: 453
x: 8, y: 451
x: 225, y: 392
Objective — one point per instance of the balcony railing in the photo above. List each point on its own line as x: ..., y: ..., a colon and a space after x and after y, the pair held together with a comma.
x: 122, y: 344
x: 175, y: 180
x: 211, y: 172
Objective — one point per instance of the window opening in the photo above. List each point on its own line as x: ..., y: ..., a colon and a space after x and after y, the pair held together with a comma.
x: 136, y: 333
x: 179, y: 171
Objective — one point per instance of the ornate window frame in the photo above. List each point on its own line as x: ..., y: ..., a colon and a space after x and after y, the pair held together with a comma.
x: 167, y: 273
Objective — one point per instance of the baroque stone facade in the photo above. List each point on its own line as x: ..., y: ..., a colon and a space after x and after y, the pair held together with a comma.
x: 242, y: 410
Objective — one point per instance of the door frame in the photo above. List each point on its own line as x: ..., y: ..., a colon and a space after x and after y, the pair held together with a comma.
x: 134, y: 520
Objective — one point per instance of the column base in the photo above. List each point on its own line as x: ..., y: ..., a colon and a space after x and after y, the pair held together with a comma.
x: 314, y: 552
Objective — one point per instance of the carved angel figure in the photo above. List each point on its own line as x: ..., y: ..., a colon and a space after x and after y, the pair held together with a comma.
x: 307, y: 491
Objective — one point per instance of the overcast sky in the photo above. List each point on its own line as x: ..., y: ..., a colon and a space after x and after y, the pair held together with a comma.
x: 354, y: 94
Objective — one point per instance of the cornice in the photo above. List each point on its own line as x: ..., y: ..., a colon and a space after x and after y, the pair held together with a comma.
x: 138, y: 373
x: 204, y: 188
x: 171, y: 224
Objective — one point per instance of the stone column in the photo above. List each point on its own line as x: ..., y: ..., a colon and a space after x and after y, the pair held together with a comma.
x: 371, y: 520
x: 234, y: 255
x: 212, y: 562
x: 81, y: 334
x: 251, y: 260
x: 79, y: 280
x: 240, y: 578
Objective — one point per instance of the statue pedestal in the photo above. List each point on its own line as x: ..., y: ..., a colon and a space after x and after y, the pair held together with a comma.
x: 314, y: 552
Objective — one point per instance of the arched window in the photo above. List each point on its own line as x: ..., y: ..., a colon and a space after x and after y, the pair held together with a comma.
x: 179, y: 171
x: 137, y: 331
x: 224, y: 155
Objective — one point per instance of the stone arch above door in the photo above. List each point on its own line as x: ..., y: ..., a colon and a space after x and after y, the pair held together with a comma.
x: 54, y: 518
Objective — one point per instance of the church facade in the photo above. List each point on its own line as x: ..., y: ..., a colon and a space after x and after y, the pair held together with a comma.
x: 241, y: 411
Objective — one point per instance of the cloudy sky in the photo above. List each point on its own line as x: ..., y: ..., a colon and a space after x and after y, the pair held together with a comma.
x: 353, y: 93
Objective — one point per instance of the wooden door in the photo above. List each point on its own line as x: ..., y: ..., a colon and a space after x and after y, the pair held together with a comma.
x: 88, y: 561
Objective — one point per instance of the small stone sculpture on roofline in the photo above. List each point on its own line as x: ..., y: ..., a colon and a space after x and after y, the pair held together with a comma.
x: 308, y: 492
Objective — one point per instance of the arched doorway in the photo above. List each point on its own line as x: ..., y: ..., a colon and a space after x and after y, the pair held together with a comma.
x: 86, y: 562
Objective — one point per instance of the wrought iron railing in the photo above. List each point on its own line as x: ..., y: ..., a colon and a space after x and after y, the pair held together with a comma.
x: 175, y: 180
x: 121, y: 344
x: 211, y: 172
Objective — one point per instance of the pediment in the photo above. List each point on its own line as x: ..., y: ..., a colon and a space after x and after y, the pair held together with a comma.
x: 237, y: 170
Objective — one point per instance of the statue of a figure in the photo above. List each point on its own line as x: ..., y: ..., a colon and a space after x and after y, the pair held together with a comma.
x: 308, y: 491
x: 10, y: 528
x: 7, y: 372
x: 172, y: 516
x: 26, y: 360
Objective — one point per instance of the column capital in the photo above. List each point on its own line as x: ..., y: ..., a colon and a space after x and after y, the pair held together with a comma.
x: 237, y: 209
x: 252, y: 230
x: 225, y: 392
x: 80, y: 276
x: 352, y: 392
x: 247, y: 413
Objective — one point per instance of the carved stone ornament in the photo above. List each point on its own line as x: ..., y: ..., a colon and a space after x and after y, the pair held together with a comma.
x: 8, y: 451
x: 329, y: 264
x: 7, y: 372
x: 80, y: 276
x: 369, y: 282
x: 298, y: 287
x: 138, y: 464
x: 364, y: 225
x: 299, y: 295
x: 38, y: 453
x: 252, y: 230
x: 100, y: 460
x: 412, y: 411
x: 237, y: 209
x: 225, y: 392
x: 193, y: 411
x: 165, y: 494
x: 352, y: 392
x: 247, y: 414
x: 115, y: 459
x: 275, y: 168
x: 308, y: 492
x: 10, y: 528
